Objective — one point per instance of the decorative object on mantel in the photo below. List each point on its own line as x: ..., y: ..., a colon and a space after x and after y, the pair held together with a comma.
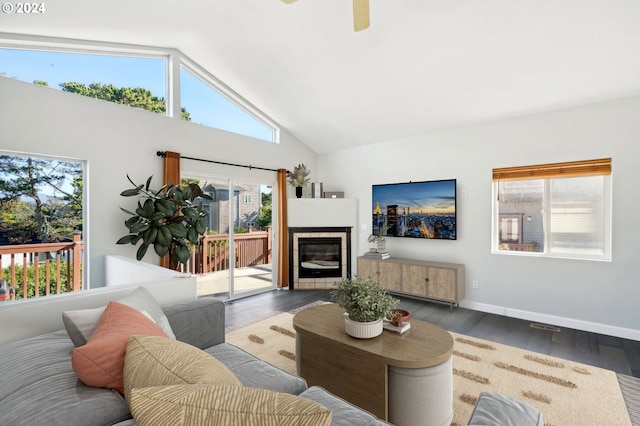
x: 168, y: 219
x: 316, y: 190
x: 333, y: 194
x: 299, y: 178
x: 366, y: 305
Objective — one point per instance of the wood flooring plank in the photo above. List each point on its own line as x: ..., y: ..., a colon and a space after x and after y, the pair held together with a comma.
x: 465, y: 319
x: 520, y: 334
x: 632, y: 350
x: 586, y: 348
x: 615, y: 359
x: 483, y: 328
x: 501, y: 329
x: 540, y: 341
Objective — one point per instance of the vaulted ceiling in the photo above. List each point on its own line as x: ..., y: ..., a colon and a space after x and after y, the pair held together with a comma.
x: 422, y: 66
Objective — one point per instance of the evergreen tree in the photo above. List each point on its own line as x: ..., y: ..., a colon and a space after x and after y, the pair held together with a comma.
x: 137, y: 97
x: 24, y: 181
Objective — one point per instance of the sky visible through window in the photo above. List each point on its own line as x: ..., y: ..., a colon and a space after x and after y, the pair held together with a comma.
x: 205, y: 105
x: 210, y: 108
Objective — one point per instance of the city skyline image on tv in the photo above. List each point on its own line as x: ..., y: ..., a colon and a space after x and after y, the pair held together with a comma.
x: 415, y: 209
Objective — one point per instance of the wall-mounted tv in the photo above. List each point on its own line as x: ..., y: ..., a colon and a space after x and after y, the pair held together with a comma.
x: 415, y: 209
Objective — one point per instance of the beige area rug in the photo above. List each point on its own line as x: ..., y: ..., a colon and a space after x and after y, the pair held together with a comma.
x: 566, y: 392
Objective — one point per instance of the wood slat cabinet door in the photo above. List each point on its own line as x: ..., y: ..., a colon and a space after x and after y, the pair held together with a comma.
x: 390, y: 276
x: 368, y: 268
x: 439, y: 281
x: 415, y: 279
x: 442, y: 283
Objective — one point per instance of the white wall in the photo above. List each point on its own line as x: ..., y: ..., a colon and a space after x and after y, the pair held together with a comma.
x: 27, y: 318
x: 595, y: 296
x: 116, y: 140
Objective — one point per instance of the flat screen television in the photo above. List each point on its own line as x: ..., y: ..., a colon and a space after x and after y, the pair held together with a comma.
x: 415, y: 209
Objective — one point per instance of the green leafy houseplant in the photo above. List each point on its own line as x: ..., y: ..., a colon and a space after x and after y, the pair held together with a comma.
x: 167, y: 218
x: 363, y: 299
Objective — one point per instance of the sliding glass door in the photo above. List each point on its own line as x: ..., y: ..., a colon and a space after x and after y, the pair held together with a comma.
x: 236, y: 258
x: 252, y: 238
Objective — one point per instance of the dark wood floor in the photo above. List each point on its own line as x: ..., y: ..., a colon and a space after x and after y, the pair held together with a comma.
x: 619, y: 355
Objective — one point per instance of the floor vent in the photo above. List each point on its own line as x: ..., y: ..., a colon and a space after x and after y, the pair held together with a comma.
x: 545, y: 327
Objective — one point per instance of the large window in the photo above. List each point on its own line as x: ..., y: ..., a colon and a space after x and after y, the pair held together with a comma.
x: 136, y: 76
x: 42, y: 210
x: 209, y: 107
x: 555, y: 210
x: 128, y: 80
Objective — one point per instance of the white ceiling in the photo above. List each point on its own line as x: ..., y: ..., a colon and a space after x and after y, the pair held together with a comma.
x: 422, y: 66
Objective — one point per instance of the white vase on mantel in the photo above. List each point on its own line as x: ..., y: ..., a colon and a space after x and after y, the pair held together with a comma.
x: 362, y: 330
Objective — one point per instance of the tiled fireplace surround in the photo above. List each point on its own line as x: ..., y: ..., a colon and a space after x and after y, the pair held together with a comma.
x: 320, y: 217
x: 297, y: 283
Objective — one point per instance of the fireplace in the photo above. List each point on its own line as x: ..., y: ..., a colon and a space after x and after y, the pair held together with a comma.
x: 318, y: 257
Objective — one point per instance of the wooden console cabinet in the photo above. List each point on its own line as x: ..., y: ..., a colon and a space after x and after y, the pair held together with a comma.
x: 442, y: 282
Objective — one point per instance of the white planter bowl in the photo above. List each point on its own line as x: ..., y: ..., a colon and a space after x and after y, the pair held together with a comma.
x: 362, y: 330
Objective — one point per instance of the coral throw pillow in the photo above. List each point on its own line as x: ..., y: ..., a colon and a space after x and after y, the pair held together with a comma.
x: 100, y: 363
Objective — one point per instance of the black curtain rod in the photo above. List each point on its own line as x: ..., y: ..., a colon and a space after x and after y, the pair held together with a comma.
x: 250, y: 167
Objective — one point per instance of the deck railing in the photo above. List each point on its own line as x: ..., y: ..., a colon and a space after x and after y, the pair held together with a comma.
x: 252, y: 248
x: 63, y: 259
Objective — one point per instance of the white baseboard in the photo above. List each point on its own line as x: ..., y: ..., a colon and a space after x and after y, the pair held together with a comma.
x: 593, y: 327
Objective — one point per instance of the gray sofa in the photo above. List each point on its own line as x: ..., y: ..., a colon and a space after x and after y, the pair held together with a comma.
x: 38, y: 385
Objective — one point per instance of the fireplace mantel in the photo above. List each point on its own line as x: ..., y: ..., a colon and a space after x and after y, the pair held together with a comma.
x: 309, y: 212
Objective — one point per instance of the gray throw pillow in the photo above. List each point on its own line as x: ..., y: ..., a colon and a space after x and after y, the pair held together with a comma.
x: 80, y: 324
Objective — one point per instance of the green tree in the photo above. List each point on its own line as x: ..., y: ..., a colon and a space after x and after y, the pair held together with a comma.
x: 31, y: 214
x: 136, y: 97
x: 265, y: 220
x: 17, y: 221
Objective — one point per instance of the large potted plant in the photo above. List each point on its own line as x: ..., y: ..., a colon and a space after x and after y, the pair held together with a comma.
x: 366, y: 305
x: 169, y: 219
x: 298, y: 178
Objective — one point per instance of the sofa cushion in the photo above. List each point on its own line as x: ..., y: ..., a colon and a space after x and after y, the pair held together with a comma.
x: 256, y: 373
x: 100, y: 362
x: 198, y: 322
x: 157, y: 361
x: 497, y: 409
x: 39, y: 387
x: 203, y: 405
x: 80, y: 324
x: 344, y: 413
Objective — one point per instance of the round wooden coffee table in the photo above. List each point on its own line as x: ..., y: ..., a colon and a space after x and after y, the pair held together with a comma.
x: 405, y: 379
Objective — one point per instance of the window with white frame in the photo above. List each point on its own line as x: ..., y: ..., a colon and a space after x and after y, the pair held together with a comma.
x: 555, y: 210
x: 136, y: 76
x: 136, y: 81
x: 209, y: 107
x: 42, y: 211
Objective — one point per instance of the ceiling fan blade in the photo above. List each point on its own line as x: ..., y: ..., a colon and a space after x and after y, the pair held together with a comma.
x: 288, y: 1
x: 360, y: 15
